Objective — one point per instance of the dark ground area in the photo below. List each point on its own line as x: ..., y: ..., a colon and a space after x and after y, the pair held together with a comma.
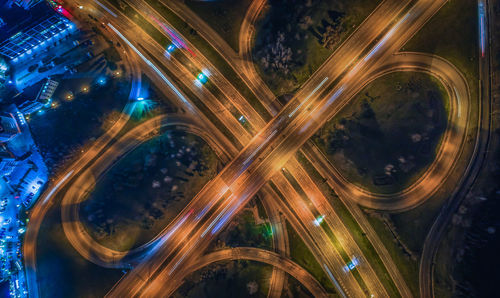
x: 228, y: 279
x: 294, y: 37
x: 61, y: 271
x: 224, y: 16
x: 389, y: 133
x: 60, y: 131
x: 251, y: 227
x: 147, y: 188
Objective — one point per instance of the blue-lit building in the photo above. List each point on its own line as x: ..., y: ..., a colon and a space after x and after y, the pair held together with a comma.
x: 26, y: 4
x: 8, y: 127
x: 43, y: 99
x: 26, y: 31
x: 23, y: 174
x: 22, y: 165
x: 27, y: 41
x: 31, y: 39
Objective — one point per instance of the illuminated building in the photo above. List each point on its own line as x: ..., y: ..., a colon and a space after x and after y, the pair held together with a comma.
x: 21, y: 165
x: 26, y: 4
x: 22, y: 176
x: 28, y: 41
x: 47, y: 90
x: 8, y: 127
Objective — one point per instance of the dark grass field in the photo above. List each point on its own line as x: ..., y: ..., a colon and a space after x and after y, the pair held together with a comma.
x: 301, y: 24
x: 147, y: 188
x: 390, y: 132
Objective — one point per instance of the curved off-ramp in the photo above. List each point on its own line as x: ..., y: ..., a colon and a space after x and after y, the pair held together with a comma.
x: 449, y: 150
x: 74, y: 230
x: 103, y: 256
x: 258, y: 255
x: 455, y: 85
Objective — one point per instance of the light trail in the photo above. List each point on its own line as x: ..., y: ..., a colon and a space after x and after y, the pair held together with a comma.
x: 212, y: 202
x: 307, y: 98
x: 105, y: 8
x: 385, y: 38
x: 176, y: 40
x: 331, y: 99
x: 173, y: 230
x: 459, y: 112
x: 213, y: 222
x: 260, y: 147
x: 162, y: 76
x: 334, y: 281
x: 54, y: 189
x: 225, y: 218
x: 482, y: 25
x: 183, y: 256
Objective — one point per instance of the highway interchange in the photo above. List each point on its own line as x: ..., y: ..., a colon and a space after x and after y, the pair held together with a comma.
x: 264, y: 153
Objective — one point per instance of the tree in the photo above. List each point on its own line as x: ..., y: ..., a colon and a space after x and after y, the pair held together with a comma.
x: 331, y: 36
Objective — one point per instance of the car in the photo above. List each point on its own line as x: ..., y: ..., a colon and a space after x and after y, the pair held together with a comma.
x: 202, y: 78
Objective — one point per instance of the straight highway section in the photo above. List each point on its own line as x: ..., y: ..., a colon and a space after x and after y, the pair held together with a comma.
x: 265, y: 154
x: 216, y: 77
x: 251, y: 78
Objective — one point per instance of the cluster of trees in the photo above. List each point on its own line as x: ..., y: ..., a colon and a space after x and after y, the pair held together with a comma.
x: 289, y: 25
x: 278, y: 56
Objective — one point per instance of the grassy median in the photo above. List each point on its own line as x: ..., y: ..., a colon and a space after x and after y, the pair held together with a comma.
x: 225, y: 17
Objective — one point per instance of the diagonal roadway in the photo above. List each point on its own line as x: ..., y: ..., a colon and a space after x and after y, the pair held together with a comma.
x: 340, y: 264
x: 244, y: 177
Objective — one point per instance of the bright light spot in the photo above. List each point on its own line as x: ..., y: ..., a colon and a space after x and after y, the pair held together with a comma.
x: 202, y: 78
x: 171, y: 48
x: 319, y: 220
x: 351, y: 265
x: 140, y: 98
x: 81, y: 6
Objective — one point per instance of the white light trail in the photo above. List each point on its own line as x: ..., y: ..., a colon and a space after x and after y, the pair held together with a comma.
x: 334, y: 281
x: 260, y: 147
x: 57, y: 186
x: 105, y: 8
x: 162, y: 76
x: 385, y: 38
x: 307, y: 98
